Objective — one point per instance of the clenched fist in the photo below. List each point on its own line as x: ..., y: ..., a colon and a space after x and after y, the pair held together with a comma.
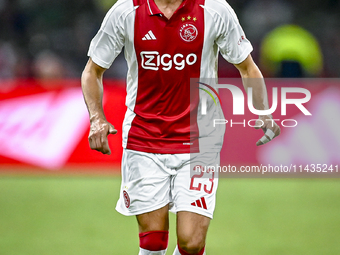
x: 100, y: 129
x: 269, y: 127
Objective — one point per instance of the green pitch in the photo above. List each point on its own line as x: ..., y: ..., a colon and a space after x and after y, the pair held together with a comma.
x: 75, y: 215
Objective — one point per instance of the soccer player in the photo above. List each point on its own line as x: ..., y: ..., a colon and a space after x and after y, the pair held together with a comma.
x: 167, y: 42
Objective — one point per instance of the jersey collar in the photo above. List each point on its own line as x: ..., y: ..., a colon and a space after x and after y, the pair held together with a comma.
x: 153, y: 9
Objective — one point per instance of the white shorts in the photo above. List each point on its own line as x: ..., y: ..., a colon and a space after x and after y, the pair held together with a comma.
x: 151, y: 181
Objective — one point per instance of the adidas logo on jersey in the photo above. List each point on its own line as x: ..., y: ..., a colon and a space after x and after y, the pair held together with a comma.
x: 149, y: 36
x: 200, y: 203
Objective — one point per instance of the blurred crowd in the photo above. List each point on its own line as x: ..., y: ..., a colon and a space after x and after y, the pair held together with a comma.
x: 50, y: 39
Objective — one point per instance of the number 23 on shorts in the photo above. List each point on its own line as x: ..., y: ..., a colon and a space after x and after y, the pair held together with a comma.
x: 200, y: 178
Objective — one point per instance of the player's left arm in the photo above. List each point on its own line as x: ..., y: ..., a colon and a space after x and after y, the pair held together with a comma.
x: 252, y: 77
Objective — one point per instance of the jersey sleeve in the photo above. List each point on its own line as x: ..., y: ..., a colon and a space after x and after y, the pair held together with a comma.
x: 109, y: 40
x: 230, y: 37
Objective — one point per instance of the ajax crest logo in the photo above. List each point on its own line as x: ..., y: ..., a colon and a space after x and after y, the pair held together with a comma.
x: 188, y: 32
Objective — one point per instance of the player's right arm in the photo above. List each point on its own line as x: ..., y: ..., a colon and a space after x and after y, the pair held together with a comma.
x: 92, y: 86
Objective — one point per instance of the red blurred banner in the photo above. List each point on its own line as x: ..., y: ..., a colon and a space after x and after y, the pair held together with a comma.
x: 45, y: 124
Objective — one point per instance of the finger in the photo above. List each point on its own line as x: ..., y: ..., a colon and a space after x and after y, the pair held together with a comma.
x: 112, y: 130
x: 270, y: 134
x: 105, y: 145
x: 259, y: 123
x: 274, y: 131
x: 93, y: 142
x: 277, y: 131
x: 264, y: 139
x: 97, y: 142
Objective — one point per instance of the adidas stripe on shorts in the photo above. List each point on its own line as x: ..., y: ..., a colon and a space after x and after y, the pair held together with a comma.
x: 151, y: 181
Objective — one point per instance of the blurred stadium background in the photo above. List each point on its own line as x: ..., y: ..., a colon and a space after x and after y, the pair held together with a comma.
x: 58, y: 197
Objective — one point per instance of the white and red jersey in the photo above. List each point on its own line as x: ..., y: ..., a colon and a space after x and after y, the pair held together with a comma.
x: 162, y: 55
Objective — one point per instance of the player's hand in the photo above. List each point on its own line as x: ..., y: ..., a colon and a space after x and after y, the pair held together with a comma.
x: 100, y: 129
x: 269, y: 127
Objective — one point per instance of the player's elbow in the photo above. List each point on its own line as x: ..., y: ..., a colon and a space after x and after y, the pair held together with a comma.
x: 92, y: 70
x: 248, y: 69
x: 251, y: 71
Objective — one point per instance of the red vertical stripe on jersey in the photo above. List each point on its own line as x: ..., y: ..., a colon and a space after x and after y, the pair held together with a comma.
x: 165, y: 65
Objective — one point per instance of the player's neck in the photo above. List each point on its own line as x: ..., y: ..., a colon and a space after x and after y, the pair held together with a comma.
x: 168, y: 7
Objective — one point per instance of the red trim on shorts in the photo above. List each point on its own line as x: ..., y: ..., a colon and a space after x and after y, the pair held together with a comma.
x: 185, y: 253
x: 154, y: 240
